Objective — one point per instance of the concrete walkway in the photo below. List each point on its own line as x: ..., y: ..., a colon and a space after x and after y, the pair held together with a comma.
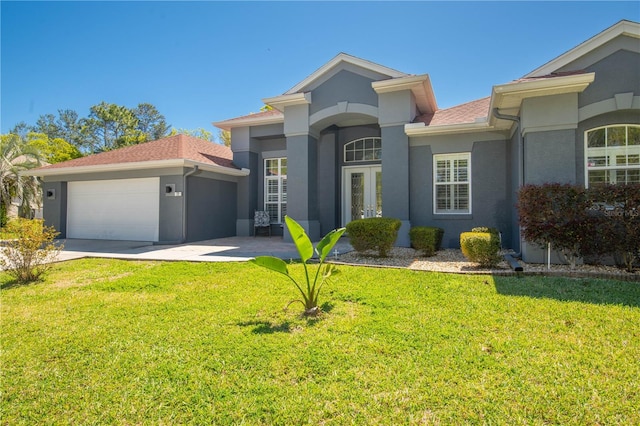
x: 232, y: 249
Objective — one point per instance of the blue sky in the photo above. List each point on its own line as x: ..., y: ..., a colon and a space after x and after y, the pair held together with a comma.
x: 199, y: 62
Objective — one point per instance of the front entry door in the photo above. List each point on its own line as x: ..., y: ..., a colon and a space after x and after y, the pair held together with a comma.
x: 362, y: 189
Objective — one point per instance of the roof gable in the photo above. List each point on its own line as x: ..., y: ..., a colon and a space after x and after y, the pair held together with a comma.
x: 622, y: 28
x: 341, y: 62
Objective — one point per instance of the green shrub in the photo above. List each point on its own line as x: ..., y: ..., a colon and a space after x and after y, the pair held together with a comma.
x: 374, y: 233
x: 29, y: 255
x: 486, y: 229
x: 426, y: 238
x: 481, y: 247
x: 3, y: 215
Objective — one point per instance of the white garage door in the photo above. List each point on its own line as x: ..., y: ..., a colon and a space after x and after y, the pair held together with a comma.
x: 119, y: 209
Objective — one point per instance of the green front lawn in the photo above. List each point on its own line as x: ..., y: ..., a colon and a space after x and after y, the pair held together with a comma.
x: 108, y: 341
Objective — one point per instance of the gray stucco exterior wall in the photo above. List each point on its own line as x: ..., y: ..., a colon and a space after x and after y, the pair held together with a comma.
x: 247, y: 190
x: 328, y: 182
x: 211, y: 211
x: 301, y: 183
x: 343, y: 86
x: 395, y: 179
x: 170, y: 221
x: 55, y: 206
x: 491, y: 191
x: 618, y: 73
x: 550, y: 157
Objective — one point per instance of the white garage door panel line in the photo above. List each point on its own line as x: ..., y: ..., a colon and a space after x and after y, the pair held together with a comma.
x: 119, y: 209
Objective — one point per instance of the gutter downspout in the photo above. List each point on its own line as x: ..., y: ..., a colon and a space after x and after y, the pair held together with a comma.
x: 184, y: 201
x: 496, y: 113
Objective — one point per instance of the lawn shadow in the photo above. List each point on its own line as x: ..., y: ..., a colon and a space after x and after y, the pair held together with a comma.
x: 266, y: 327
x: 14, y: 283
x: 587, y: 290
x: 11, y: 284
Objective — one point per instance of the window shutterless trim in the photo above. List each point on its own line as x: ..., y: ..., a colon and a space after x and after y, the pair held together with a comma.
x: 281, y: 192
x: 606, y: 153
x: 451, y: 158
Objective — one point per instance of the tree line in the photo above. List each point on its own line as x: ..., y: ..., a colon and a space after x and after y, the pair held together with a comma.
x: 66, y: 135
x: 108, y: 126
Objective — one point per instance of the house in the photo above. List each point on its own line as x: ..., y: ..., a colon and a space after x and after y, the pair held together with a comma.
x: 141, y: 193
x: 357, y: 139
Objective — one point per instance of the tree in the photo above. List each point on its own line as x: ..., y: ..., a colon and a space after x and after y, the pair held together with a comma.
x: 52, y: 150
x: 15, y: 156
x: 111, y: 126
x: 21, y: 129
x: 70, y: 127
x: 150, y: 121
x: 66, y: 126
x: 196, y: 133
x: 225, y: 137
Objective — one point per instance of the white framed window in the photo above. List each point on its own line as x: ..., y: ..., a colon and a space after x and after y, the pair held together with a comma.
x: 612, y: 154
x: 275, y: 188
x: 363, y: 149
x: 452, y: 183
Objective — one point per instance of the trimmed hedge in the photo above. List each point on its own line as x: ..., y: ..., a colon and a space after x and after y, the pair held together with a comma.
x: 481, y: 247
x: 374, y: 233
x: 426, y: 238
x: 486, y: 229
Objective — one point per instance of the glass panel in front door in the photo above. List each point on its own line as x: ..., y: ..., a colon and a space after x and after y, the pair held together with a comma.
x: 363, y: 193
x: 378, y: 193
x: 357, y: 196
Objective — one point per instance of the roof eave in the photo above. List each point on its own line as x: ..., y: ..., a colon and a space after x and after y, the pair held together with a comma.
x: 420, y: 86
x: 508, y: 97
x: 138, y: 165
x: 282, y: 101
x: 248, y: 121
x: 420, y: 129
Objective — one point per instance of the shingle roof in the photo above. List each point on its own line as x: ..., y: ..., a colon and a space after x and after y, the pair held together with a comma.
x: 465, y: 113
x: 270, y: 115
x: 549, y: 76
x: 262, y: 114
x: 178, y: 147
x: 470, y: 111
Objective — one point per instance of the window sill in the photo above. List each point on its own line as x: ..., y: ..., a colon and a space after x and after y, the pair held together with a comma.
x: 452, y: 216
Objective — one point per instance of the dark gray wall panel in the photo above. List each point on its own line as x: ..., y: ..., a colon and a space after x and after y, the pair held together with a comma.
x: 618, y: 73
x: 491, y: 186
x: 395, y: 173
x: 248, y: 185
x: 550, y: 157
x: 344, y: 86
x: 328, y: 191
x: 55, y: 207
x: 211, y: 208
x: 170, y: 224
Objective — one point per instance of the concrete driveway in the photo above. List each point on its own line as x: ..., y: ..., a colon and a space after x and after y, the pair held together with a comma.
x: 232, y: 249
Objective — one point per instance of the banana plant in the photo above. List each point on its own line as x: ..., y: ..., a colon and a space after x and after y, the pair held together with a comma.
x: 310, y: 289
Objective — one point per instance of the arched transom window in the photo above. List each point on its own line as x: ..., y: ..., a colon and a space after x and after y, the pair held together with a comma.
x: 613, y: 154
x: 364, y: 149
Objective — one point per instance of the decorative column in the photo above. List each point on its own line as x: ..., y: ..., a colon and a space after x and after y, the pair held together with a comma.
x: 302, y: 162
x: 396, y: 108
x: 247, y: 191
